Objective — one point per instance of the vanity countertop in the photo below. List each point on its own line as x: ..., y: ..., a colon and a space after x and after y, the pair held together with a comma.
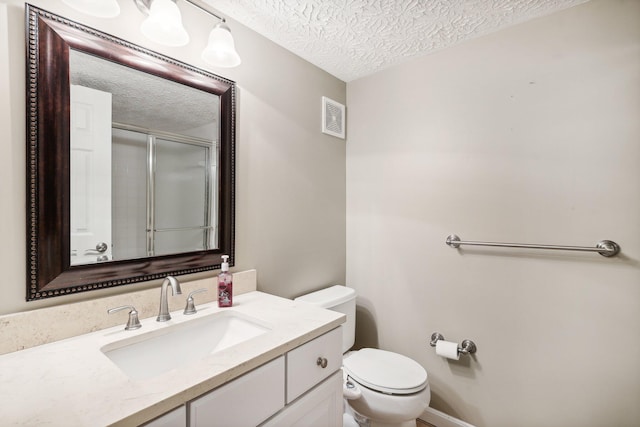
x: 72, y: 383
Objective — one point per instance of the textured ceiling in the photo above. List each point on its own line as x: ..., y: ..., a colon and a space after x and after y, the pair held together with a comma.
x: 353, y: 38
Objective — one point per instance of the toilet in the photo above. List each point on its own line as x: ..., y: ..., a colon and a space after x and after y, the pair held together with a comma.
x: 381, y: 388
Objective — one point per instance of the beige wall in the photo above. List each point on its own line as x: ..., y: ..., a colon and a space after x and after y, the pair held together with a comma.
x: 290, y: 222
x: 528, y: 135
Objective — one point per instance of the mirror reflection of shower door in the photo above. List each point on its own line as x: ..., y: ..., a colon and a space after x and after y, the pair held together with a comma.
x: 129, y: 194
x: 90, y: 175
x: 182, y: 196
x: 164, y: 193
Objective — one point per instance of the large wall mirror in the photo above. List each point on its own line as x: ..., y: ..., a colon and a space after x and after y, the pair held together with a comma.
x: 130, y: 161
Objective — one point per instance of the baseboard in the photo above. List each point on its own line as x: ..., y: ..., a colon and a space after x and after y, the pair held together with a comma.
x: 440, y: 419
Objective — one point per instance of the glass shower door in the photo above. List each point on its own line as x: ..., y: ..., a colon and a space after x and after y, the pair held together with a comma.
x: 183, y: 196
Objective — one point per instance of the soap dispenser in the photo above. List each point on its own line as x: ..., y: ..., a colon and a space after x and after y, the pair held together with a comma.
x: 225, y: 284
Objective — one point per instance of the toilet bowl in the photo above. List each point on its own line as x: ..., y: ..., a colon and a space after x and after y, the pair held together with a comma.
x: 381, y: 388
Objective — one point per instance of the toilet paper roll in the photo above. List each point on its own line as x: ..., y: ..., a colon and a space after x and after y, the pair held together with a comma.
x: 447, y: 349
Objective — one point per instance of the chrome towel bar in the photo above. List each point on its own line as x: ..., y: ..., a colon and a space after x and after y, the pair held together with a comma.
x: 605, y: 248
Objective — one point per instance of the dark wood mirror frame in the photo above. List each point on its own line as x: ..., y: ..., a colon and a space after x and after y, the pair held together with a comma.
x: 49, y: 273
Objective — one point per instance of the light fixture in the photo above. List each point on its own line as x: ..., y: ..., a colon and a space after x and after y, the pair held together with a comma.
x: 221, y: 49
x: 164, y: 25
x: 99, y: 8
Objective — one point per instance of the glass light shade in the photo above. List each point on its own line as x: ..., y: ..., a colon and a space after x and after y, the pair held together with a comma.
x: 99, y: 8
x: 164, y: 24
x: 221, y: 50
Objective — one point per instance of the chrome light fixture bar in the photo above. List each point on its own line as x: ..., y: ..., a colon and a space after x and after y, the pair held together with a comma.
x: 164, y: 25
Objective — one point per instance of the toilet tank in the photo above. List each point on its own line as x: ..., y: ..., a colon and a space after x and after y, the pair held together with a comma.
x: 341, y: 299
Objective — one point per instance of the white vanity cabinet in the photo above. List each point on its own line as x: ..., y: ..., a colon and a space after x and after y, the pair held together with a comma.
x: 282, y: 376
x: 245, y: 401
x: 175, y: 418
x: 312, y: 362
x: 314, y: 384
x: 320, y: 407
x: 301, y: 388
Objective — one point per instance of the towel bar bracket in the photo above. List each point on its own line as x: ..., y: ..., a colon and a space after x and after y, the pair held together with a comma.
x: 608, y: 248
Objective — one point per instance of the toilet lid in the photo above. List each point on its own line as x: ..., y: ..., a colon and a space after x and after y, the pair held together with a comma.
x: 385, y: 371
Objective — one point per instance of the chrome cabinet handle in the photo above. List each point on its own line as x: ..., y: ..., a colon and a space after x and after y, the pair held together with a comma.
x: 322, y: 362
x: 133, y: 322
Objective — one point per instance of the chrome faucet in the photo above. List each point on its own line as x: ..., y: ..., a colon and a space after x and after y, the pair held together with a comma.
x: 164, y: 315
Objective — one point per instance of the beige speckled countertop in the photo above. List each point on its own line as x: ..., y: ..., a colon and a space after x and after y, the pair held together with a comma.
x: 72, y: 383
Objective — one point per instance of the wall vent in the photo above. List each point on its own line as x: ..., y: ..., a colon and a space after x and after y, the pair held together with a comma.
x: 333, y: 120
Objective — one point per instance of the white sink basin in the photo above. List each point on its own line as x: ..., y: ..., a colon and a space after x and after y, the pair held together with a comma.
x: 176, y: 346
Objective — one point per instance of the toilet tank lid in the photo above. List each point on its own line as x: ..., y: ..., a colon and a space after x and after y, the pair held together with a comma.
x: 329, y: 297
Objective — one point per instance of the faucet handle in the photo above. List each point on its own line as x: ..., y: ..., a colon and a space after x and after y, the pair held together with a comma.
x: 133, y: 322
x: 191, y: 307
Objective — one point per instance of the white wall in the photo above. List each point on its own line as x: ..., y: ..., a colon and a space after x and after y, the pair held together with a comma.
x: 290, y: 191
x: 528, y: 135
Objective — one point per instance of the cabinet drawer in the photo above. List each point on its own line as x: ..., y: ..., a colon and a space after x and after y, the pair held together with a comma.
x: 306, y: 364
x: 320, y: 407
x: 245, y: 402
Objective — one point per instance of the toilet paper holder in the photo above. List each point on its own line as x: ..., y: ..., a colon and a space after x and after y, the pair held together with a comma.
x: 465, y: 347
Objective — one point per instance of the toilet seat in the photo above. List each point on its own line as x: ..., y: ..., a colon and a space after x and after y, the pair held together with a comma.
x: 385, y: 371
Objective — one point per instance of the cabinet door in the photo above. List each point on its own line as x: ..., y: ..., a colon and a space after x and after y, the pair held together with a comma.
x: 320, y: 407
x: 312, y: 362
x: 175, y: 418
x: 244, y: 402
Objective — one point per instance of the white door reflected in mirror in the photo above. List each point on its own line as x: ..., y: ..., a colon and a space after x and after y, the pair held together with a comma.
x: 90, y: 175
